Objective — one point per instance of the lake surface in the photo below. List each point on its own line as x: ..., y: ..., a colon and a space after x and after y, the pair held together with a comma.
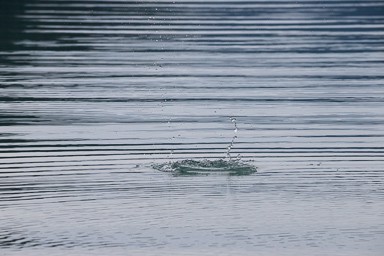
x: 96, y: 93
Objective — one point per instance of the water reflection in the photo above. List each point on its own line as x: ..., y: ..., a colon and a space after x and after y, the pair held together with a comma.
x: 95, y: 93
x: 11, y: 25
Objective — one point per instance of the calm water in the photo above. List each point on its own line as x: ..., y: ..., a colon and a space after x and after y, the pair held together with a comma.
x: 95, y: 93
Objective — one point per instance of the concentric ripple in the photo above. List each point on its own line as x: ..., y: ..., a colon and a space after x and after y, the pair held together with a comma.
x: 120, y: 123
x: 207, y: 167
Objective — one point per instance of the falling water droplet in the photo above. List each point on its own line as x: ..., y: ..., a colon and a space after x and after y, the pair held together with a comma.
x: 233, y: 120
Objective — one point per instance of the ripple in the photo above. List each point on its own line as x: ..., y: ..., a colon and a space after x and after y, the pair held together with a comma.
x: 207, y: 167
x: 115, y: 130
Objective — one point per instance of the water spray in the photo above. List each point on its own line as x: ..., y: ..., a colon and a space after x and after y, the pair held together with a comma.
x: 233, y: 120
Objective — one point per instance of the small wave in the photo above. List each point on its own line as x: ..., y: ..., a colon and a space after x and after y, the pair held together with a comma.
x: 207, y: 167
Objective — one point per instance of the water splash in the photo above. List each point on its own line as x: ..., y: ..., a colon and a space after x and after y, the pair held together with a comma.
x: 206, y: 167
x: 230, y: 146
x: 228, y: 166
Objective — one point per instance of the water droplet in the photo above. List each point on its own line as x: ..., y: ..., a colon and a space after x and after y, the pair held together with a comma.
x: 233, y: 120
x: 170, y: 154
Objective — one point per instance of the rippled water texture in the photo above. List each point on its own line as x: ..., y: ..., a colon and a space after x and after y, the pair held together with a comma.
x: 98, y: 95
x: 206, y: 167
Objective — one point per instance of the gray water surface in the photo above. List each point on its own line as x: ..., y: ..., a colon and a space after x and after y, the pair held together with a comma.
x: 96, y: 93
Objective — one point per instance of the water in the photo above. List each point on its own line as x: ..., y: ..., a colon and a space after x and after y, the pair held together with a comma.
x: 95, y: 94
x: 206, y: 167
